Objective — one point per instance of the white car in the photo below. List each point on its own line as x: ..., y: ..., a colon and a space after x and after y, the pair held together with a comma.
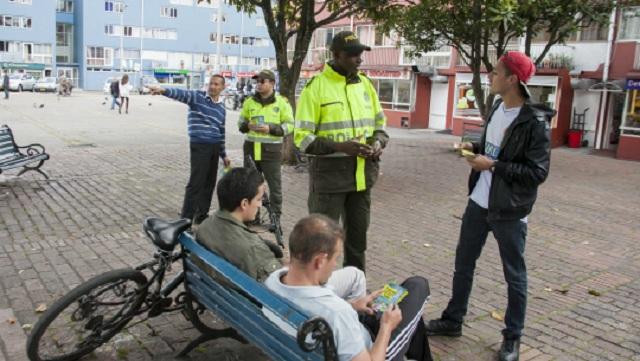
x: 47, y: 84
x: 21, y: 82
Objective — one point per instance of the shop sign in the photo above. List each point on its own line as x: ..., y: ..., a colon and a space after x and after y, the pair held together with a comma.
x: 169, y: 71
x: 25, y: 66
x: 632, y: 84
x: 245, y: 74
x: 390, y: 74
x: 226, y: 73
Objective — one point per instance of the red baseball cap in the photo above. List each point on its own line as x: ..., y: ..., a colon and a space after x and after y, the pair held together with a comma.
x: 520, y: 65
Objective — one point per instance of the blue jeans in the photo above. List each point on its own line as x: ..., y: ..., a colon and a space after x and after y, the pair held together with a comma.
x: 114, y: 102
x: 511, y: 236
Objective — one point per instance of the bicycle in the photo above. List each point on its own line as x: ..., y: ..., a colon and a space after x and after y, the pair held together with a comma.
x: 92, y: 313
x: 266, y: 217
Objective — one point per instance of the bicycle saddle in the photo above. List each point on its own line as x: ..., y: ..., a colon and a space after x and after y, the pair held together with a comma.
x: 165, y: 234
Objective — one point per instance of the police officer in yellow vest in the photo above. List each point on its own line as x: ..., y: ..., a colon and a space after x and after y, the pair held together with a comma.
x: 265, y: 119
x: 340, y: 124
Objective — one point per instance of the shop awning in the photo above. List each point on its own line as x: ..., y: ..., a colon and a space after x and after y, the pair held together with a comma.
x: 166, y: 72
x: 24, y: 66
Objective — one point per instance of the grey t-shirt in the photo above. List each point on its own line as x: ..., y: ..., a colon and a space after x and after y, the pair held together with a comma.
x: 500, y: 121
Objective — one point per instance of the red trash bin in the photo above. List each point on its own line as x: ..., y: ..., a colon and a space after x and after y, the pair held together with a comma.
x: 575, y: 138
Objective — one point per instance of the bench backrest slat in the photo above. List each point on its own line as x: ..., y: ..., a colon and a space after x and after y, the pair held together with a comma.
x: 7, y: 144
x: 240, y: 283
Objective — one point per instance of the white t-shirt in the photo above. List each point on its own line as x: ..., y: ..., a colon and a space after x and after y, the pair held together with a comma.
x: 500, y: 121
x: 124, y: 89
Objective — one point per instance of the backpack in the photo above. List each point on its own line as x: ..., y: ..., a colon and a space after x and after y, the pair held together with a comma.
x: 115, y: 88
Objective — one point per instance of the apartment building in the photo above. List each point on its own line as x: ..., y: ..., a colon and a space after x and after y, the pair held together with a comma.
x: 179, y: 42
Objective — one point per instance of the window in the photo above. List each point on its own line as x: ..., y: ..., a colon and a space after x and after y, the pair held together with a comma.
x: 181, y: 2
x: 15, y: 21
x: 248, y: 40
x: 64, y: 6
x: 99, y: 56
x: 393, y: 93
x: 630, y: 24
x: 64, y: 43
x: 213, y: 37
x: 208, y: 3
x: 108, y: 29
x: 168, y: 12
x: 381, y: 39
x: 114, y: 6
x: 365, y: 33
x: 324, y: 36
x: 127, y: 31
x: 4, y: 46
x: 24, y: 2
x: 230, y: 39
x: 593, y: 32
x: 214, y: 18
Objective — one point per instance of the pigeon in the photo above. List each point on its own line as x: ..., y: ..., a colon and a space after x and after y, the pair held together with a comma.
x: 149, y: 104
x: 41, y: 106
x: 103, y: 103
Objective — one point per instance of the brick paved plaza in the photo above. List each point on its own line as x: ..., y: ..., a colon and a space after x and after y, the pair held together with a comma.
x: 109, y: 171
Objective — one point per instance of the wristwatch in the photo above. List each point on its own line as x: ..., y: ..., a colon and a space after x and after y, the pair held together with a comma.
x: 493, y: 166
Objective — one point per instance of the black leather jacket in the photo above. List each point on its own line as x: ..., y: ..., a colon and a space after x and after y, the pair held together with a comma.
x: 522, y: 165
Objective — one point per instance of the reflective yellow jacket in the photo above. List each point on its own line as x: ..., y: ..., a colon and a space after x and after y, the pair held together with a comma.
x: 275, y: 112
x: 331, y: 109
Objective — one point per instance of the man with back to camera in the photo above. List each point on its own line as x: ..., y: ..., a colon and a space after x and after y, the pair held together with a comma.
x: 359, y: 333
x: 509, y: 163
x: 206, y: 126
x: 340, y: 124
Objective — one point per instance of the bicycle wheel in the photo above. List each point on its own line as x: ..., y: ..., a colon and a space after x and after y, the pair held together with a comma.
x: 201, y: 318
x: 87, y: 316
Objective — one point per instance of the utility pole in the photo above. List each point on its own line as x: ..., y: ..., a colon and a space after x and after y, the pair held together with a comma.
x: 218, y: 35
x: 141, y: 39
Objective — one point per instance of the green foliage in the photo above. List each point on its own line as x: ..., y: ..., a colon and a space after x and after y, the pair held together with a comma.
x: 482, y: 30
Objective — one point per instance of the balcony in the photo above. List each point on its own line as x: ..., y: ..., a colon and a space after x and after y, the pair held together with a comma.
x: 440, y: 58
x: 629, y: 24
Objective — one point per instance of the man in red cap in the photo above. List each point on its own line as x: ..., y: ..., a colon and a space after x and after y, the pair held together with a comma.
x: 508, y: 164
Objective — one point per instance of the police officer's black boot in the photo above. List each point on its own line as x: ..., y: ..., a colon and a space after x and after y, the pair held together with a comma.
x: 510, y: 349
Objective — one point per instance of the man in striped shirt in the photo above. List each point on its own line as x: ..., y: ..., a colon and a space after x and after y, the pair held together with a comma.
x: 206, y: 120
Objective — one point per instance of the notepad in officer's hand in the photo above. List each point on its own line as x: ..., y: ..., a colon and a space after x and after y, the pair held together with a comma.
x: 392, y: 293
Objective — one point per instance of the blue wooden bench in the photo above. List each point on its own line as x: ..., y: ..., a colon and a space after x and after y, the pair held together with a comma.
x: 13, y: 156
x: 240, y: 301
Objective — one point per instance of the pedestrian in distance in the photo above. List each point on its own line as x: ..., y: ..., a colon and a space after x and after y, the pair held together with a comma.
x: 340, y: 125
x: 124, y: 88
x: 507, y: 165
x: 115, y: 94
x: 206, y: 127
x: 5, y: 84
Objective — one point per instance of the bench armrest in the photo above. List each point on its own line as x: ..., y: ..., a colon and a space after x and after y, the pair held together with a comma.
x: 321, y: 333
x: 32, y: 149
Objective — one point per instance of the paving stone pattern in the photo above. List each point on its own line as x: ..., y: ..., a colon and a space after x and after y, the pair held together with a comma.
x: 108, y: 172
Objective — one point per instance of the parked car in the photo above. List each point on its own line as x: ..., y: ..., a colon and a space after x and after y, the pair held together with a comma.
x: 21, y: 82
x: 145, y: 82
x: 107, y: 84
x: 47, y: 84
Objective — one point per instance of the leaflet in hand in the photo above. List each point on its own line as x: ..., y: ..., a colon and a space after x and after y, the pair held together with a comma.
x: 392, y: 293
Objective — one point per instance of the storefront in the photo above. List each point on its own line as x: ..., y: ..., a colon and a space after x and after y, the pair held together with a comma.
x: 397, y: 87
x: 181, y: 78
x: 629, y: 143
x: 546, y: 87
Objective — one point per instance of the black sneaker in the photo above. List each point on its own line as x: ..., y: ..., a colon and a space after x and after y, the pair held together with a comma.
x: 509, y: 350
x: 442, y: 327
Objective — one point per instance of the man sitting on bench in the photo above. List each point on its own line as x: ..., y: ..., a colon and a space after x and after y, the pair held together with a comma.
x: 240, y: 194
x: 315, y: 245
